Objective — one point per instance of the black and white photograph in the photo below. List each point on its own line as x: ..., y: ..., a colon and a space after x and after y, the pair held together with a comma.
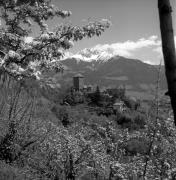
x: 87, y: 89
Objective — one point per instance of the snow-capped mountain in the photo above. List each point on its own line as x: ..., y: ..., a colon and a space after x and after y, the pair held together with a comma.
x: 128, y: 49
x: 113, y: 72
x: 106, y: 67
x: 93, y: 54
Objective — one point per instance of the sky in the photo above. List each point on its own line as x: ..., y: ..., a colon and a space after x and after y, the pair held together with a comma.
x: 134, y: 32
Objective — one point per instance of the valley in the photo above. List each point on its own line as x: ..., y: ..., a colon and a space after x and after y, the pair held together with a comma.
x: 138, y: 78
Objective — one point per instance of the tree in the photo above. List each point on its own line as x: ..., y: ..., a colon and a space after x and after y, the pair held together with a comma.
x: 22, y: 59
x: 95, y: 97
x: 168, y: 47
x: 24, y: 117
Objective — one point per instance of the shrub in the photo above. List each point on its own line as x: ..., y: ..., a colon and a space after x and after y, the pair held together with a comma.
x: 117, y: 93
x: 8, y: 172
x: 62, y: 114
x: 131, y: 103
x: 139, y: 119
x: 131, y: 120
x: 124, y: 119
x: 136, y: 146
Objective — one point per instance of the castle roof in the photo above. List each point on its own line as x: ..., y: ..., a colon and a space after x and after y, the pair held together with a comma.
x: 79, y: 75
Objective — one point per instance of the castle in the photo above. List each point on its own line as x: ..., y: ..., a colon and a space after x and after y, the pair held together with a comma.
x: 78, y: 84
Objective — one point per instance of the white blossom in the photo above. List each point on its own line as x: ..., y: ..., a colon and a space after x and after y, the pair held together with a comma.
x: 117, y: 164
x: 20, y: 69
x: 71, y: 43
x: 37, y: 75
x: 45, y: 36
x: 12, y: 54
x: 2, y: 61
x: 88, y: 27
x: 51, y: 12
x: 28, y: 39
x: 36, y: 3
x: 35, y: 43
x: 29, y: 22
x: 66, y: 13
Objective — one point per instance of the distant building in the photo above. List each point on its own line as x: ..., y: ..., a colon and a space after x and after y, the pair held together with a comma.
x: 87, y: 88
x: 119, y: 106
x: 78, y: 82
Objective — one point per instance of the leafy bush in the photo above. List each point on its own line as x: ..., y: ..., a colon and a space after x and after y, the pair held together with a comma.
x: 131, y: 120
x: 117, y: 93
x: 95, y: 97
x: 8, y: 172
x: 139, y: 119
x: 105, y: 111
x: 136, y: 146
x: 123, y: 119
x: 131, y: 103
x: 61, y: 112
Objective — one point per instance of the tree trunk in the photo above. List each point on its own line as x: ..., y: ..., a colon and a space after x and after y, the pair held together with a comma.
x: 168, y: 47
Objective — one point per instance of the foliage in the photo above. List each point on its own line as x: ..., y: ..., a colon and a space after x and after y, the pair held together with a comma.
x: 8, y: 172
x: 34, y: 145
x: 74, y: 97
x: 62, y: 114
x: 95, y: 97
x: 131, y: 102
x: 131, y: 120
x: 117, y: 93
x: 30, y: 59
x: 88, y: 146
x: 136, y: 146
x: 14, y: 110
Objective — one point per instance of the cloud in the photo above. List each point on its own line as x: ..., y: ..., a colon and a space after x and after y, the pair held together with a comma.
x: 159, y: 54
x: 148, y: 50
x: 159, y: 49
x: 128, y: 48
x: 142, y: 49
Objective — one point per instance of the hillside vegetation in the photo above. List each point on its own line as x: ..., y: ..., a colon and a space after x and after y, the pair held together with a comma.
x: 42, y: 139
x: 51, y: 130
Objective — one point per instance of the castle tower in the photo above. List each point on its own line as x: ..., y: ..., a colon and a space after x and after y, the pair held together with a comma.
x: 78, y: 82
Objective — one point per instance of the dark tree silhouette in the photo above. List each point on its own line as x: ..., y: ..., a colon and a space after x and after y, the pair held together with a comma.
x: 97, y: 95
x: 168, y: 47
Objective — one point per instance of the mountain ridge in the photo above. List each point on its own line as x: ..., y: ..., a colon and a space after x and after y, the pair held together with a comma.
x: 135, y: 74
